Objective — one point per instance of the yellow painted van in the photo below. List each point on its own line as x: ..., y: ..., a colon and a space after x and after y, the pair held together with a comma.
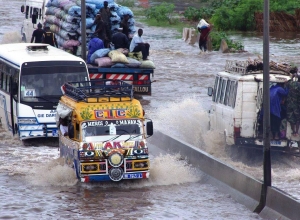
x: 103, y: 136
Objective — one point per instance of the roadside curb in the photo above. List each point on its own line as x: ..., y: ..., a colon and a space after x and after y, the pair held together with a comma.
x: 242, y: 187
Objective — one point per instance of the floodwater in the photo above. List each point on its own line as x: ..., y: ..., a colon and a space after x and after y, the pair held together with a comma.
x: 34, y: 183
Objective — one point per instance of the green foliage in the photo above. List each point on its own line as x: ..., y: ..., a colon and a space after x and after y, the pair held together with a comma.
x: 286, y: 6
x: 194, y: 14
x: 240, y: 17
x: 127, y: 3
x: 161, y: 13
x: 216, y: 38
x: 237, y: 14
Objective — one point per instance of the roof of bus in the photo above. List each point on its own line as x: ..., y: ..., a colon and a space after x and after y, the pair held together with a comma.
x: 255, y: 76
x: 17, y: 53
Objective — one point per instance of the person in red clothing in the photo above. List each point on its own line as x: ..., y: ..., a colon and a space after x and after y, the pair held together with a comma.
x: 204, y: 29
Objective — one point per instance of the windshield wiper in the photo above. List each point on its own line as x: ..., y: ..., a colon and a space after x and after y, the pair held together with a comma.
x: 113, y: 138
x: 48, y: 100
x: 131, y: 137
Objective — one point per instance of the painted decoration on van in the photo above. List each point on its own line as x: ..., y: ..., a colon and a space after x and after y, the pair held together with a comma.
x: 109, y: 145
x: 114, y: 110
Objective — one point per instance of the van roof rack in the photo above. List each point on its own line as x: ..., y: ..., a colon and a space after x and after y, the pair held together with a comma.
x: 99, y: 91
x: 38, y: 47
x: 256, y: 67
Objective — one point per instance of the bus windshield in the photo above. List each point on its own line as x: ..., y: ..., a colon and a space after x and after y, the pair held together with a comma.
x: 39, y: 83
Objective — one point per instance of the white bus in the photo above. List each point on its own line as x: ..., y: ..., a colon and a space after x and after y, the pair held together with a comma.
x: 31, y: 76
x: 32, y: 10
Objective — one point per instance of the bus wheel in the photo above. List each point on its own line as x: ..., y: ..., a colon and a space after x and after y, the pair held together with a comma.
x: 76, y: 168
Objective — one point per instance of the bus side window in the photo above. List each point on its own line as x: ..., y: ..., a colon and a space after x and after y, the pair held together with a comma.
x: 223, y: 91
x: 26, y: 12
x: 219, y: 90
x: 233, y: 94
x: 30, y: 12
x: 227, y: 92
x: 4, y: 76
x: 1, y: 80
x: 40, y: 14
x: 8, y: 78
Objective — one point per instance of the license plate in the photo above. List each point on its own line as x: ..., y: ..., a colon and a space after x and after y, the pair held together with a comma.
x: 275, y: 143
x: 133, y: 176
x: 54, y: 133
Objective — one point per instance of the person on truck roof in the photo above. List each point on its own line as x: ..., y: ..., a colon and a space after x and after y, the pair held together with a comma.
x: 119, y: 39
x: 37, y: 35
x: 100, y: 31
x: 125, y: 26
x: 106, y: 14
x: 138, y: 44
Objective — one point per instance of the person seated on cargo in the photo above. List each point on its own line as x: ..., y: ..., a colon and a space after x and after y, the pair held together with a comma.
x: 119, y: 39
x: 293, y: 104
x: 63, y: 126
x: 94, y: 45
x: 277, y: 94
x: 138, y: 44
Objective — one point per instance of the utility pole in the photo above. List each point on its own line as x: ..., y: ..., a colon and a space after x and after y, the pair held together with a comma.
x: 83, y: 30
x: 266, y: 112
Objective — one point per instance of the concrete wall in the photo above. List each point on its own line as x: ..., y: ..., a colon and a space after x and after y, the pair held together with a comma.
x: 243, y: 188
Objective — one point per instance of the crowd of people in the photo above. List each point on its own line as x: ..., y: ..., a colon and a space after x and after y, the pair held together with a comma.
x: 120, y: 39
x: 285, y: 106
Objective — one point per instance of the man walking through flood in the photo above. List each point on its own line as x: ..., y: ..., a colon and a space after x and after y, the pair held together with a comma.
x: 37, y: 35
x: 204, y: 30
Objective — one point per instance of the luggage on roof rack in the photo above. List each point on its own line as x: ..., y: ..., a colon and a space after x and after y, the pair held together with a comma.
x: 256, y: 67
x: 96, y: 90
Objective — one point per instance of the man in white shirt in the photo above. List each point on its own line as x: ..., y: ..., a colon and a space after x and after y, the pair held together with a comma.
x: 138, y: 44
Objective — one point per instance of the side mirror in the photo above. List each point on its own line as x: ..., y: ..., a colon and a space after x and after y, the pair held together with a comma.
x: 22, y: 8
x: 210, y: 91
x: 34, y: 17
x: 149, y: 128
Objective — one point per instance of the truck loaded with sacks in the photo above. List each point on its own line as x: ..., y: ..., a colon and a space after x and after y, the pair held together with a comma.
x: 64, y: 19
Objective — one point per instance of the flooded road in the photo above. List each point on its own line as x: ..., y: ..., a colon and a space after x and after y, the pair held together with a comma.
x: 35, y: 183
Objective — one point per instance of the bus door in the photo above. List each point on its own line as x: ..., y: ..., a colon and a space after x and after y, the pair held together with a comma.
x: 13, y: 101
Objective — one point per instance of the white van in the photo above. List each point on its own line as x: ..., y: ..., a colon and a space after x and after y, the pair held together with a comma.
x: 237, y: 100
x: 34, y: 13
